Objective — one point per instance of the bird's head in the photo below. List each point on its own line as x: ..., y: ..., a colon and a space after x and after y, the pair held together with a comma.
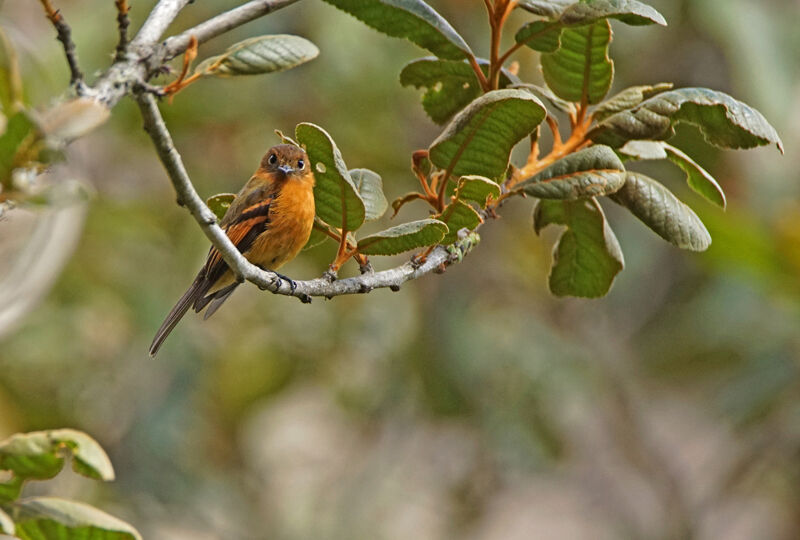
x: 286, y: 161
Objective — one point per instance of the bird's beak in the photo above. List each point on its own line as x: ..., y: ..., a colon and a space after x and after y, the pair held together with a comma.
x: 286, y: 170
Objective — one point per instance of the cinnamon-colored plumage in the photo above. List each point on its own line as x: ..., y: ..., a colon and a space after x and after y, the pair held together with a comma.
x: 269, y: 221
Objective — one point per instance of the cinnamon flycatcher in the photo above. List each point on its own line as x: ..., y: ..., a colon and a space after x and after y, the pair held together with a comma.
x: 269, y: 221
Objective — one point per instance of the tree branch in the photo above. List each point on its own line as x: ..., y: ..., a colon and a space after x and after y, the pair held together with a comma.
x: 158, y: 21
x: 65, y: 37
x: 187, y: 195
x: 223, y: 23
x: 122, y: 24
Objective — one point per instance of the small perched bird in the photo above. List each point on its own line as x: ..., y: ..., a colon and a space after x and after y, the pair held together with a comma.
x: 269, y: 221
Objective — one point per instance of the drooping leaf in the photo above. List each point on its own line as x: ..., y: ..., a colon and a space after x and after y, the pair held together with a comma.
x: 627, y: 99
x: 405, y: 237
x: 723, y: 120
x: 543, y: 36
x: 476, y: 188
x: 40, y: 454
x: 51, y: 517
x: 10, y: 489
x: 590, y: 172
x: 413, y: 20
x: 478, y: 141
x: 258, y: 55
x: 580, y: 68
x: 459, y: 215
x: 628, y: 11
x: 220, y: 203
x: 450, y: 85
x: 697, y: 177
x: 335, y: 195
x: 587, y: 256
x: 370, y: 187
x: 660, y: 210
x: 552, y: 9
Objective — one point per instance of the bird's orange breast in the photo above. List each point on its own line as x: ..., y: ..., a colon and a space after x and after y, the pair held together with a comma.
x: 291, y: 219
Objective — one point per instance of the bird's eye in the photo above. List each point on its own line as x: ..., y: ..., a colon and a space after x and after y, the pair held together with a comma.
x: 273, y: 159
x: 301, y: 164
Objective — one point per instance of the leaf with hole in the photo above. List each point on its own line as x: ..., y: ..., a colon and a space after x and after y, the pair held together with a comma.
x: 220, y: 203
x: 587, y: 256
x: 259, y: 55
x: 335, y: 195
x: 627, y: 99
x: 405, y: 237
x: 663, y: 212
x: 370, y: 186
x: 590, y: 172
x: 449, y: 85
x: 723, y: 120
x: 51, y: 517
x: 413, y: 20
x: 581, y: 69
x: 459, y: 215
x: 40, y: 455
x: 478, y: 141
x: 697, y: 177
x: 477, y: 189
x: 630, y: 12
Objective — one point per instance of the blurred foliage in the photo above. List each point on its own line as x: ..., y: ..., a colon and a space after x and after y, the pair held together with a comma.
x: 471, y: 405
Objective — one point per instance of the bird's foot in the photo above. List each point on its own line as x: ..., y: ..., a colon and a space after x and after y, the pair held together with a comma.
x: 292, y: 283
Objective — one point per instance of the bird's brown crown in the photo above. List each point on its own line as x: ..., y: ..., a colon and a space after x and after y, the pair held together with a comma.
x: 286, y: 160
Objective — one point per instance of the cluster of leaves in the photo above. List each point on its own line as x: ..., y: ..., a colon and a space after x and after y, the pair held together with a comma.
x: 487, y: 110
x: 31, y: 141
x: 41, y: 455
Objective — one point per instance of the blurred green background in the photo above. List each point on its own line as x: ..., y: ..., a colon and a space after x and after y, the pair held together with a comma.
x: 469, y: 405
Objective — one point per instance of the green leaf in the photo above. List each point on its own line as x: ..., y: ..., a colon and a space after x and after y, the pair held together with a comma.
x: 40, y: 454
x: 552, y: 9
x: 335, y: 195
x: 587, y: 256
x: 581, y: 68
x: 628, y: 11
x: 543, y: 36
x: 660, y: 210
x: 316, y: 238
x: 50, y: 517
x: 11, y: 93
x: 476, y: 188
x: 591, y: 172
x: 413, y: 20
x: 627, y: 99
x: 220, y: 203
x: 723, y: 120
x: 478, y: 141
x: 6, y: 524
x: 405, y: 237
x: 459, y: 215
x: 10, y: 489
x: 554, y: 100
x: 697, y: 177
x: 19, y: 126
x: 370, y: 186
x: 262, y: 54
x: 450, y: 86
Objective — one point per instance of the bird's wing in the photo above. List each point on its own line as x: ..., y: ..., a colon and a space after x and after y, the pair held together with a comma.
x: 242, y: 231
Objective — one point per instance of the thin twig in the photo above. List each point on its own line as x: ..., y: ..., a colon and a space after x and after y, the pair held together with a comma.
x: 264, y: 279
x: 65, y: 37
x: 122, y: 24
x: 223, y: 23
x: 158, y: 21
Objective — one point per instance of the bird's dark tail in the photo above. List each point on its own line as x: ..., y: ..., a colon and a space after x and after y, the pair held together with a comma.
x: 196, y: 291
